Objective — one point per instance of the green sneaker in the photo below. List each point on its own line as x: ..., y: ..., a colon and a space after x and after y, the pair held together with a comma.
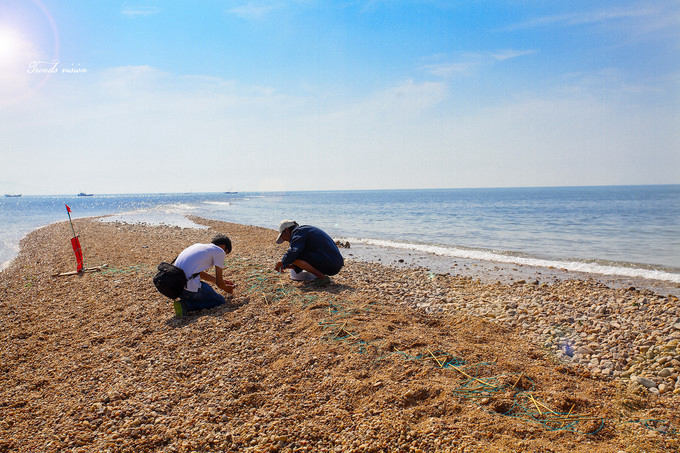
x: 180, y: 310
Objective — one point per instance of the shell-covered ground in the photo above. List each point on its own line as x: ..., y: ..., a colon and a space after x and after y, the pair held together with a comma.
x: 98, y: 362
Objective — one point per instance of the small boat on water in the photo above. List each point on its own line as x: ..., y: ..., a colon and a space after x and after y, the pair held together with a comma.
x: 230, y: 192
x: 83, y: 194
x: 13, y: 195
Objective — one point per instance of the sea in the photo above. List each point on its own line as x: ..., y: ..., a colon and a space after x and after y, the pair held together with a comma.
x: 627, y: 234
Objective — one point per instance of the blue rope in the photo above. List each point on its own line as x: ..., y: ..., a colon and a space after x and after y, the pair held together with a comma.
x: 335, y: 330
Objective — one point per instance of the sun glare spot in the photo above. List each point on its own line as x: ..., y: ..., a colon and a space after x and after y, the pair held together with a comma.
x: 9, y: 44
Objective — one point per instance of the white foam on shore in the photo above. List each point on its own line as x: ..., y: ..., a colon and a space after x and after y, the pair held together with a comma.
x: 13, y: 245
x: 173, y: 214
x: 175, y: 208
x: 154, y: 220
x: 484, y: 255
x: 217, y: 203
x: 14, y: 251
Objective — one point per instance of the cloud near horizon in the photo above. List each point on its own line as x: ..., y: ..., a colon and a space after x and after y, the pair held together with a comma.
x: 131, y: 118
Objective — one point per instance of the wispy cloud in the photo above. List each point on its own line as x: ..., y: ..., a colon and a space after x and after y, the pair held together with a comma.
x: 253, y: 11
x: 450, y: 69
x: 609, y: 82
x: 259, y: 9
x: 469, y: 62
x: 367, y: 6
x: 139, y: 10
x: 584, y: 18
x: 132, y: 117
x: 508, y: 54
x: 407, y: 98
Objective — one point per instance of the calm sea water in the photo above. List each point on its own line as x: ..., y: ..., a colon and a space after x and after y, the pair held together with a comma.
x: 621, y: 230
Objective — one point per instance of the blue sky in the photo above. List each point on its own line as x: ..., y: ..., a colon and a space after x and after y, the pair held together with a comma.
x: 151, y: 96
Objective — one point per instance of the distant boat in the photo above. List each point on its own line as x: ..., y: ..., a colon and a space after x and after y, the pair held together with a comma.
x: 13, y: 195
x: 83, y: 194
x: 230, y: 192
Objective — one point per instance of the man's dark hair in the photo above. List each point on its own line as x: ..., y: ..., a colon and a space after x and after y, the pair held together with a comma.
x: 221, y: 239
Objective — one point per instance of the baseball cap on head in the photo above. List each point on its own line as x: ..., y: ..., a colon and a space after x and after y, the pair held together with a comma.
x: 283, y: 226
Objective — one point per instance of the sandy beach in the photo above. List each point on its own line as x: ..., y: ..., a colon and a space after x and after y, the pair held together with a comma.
x: 383, y: 359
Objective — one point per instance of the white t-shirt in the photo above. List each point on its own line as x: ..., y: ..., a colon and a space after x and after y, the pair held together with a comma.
x: 198, y: 258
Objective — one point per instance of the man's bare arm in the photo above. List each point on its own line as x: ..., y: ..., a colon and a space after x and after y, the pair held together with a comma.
x: 218, y: 280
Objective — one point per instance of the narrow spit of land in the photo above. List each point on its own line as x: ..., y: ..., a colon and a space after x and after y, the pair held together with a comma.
x: 381, y: 360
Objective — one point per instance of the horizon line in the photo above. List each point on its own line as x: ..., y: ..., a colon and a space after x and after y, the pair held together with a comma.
x: 348, y: 190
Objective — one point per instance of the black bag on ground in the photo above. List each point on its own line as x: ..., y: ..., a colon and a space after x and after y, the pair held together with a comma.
x: 170, y: 280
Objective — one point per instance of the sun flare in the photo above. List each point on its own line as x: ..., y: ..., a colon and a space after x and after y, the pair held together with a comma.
x: 10, y: 45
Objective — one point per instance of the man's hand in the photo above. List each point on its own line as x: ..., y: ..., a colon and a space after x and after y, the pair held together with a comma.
x: 279, y: 267
x: 225, y: 285
x: 228, y: 287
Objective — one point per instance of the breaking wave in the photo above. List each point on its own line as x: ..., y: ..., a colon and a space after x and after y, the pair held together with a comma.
x: 218, y: 203
x: 487, y: 255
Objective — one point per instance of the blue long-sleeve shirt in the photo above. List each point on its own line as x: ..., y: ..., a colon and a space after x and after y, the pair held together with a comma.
x: 314, y: 246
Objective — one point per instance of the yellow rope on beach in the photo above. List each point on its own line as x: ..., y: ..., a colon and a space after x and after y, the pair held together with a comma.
x: 568, y: 414
x: 576, y: 418
x: 342, y: 327
x: 436, y: 359
x: 534, y: 401
x: 550, y: 410
x: 517, y: 381
x: 544, y: 406
x: 478, y: 388
x: 471, y: 377
x: 350, y: 334
x: 470, y: 389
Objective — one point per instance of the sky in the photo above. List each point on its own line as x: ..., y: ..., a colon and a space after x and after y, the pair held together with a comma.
x: 210, y: 96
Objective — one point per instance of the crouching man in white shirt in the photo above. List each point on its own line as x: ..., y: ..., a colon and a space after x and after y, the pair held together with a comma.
x: 195, y: 260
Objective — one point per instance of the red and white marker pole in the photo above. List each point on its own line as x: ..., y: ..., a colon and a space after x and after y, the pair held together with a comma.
x: 75, y: 243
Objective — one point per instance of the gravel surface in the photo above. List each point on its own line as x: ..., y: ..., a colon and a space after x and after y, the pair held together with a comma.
x: 621, y: 333
x: 382, y: 359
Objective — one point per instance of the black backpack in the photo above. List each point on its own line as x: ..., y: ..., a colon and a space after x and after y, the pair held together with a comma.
x: 170, y: 280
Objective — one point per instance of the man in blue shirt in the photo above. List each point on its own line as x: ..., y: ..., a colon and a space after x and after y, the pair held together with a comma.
x: 311, y: 250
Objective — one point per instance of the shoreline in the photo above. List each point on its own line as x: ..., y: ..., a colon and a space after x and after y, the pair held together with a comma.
x: 488, y: 271
x: 484, y: 270
x: 17, y: 246
x: 100, y: 359
x: 494, y: 271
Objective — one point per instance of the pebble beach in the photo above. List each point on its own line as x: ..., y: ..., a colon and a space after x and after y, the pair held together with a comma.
x: 382, y: 359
